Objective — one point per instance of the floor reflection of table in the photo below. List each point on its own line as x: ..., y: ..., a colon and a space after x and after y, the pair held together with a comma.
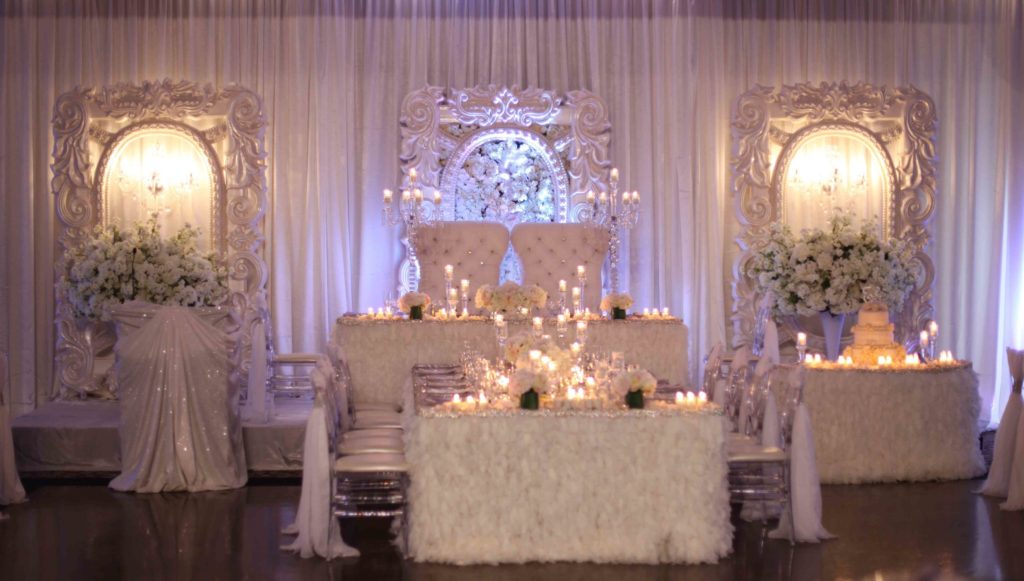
x: 380, y: 354
x: 888, y: 426
x: 611, y: 487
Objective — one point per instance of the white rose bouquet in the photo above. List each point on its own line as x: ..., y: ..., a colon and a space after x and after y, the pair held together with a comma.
x: 413, y: 303
x: 616, y: 303
x: 828, y: 270
x: 632, y: 381
x: 117, y: 265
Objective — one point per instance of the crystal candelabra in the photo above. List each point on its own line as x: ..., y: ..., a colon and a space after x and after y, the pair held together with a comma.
x: 615, y: 216
x: 411, y: 210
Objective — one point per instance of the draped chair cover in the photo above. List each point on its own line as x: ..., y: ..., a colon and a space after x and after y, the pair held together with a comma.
x: 180, y: 424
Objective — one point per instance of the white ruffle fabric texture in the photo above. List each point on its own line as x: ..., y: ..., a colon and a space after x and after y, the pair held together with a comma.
x: 180, y: 426
x: 380, y: 354
x: 894, y: 426
x: 624, y: 489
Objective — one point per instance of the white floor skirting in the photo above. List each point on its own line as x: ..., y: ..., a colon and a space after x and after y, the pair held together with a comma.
x: 872, y: 426
x: 67, y: 436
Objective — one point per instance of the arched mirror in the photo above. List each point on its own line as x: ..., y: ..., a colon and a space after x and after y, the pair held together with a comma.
x: 835, y: 167
x: 177, y: 152
x: 165, y: 171
x: 804, y: 153
x: 504, y: 154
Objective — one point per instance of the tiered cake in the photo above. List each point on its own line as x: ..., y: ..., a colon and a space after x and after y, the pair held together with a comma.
x: 873, y: 336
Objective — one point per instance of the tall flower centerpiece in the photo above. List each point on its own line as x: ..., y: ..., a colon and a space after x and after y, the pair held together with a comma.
x: 825, y: 272
x: 118, y: 264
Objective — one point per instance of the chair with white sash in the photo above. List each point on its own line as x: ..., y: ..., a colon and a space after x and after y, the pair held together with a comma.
x: 368, y: 477
x: 11, y: 490
x: 759, y: 462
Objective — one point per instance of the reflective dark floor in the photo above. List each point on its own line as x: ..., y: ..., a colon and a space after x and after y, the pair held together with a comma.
x: 84, y: 531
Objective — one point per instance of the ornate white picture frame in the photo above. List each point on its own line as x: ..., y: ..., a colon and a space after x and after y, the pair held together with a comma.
x: 440, y: 129
x: 768, y: 126
x: 226, y: 124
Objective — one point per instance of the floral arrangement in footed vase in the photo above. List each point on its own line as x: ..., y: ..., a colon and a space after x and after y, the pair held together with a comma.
x: 825, y: 272
x: 616, y: 304
x: 413, y: 303
x: 633, y: 386
x: 117, y: 265
x: 510, y: 298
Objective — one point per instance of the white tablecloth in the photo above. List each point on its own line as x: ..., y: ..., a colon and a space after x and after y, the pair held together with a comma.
x: 180, y: 427
x: 875, y: 426
x: 380, y: 354
x: 617, y: 487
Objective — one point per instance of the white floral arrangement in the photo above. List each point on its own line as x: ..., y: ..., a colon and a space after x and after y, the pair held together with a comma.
x: 523, y: 380
x: 635, y: 380
x: 510, y: 297
x: 518, y: 347
x: 117, y: 265
x: 506, y: 180
x: 828, y: 270
x: 616, y: 301
x: 413, y: 299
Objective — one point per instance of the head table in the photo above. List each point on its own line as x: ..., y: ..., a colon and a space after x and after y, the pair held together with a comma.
x: 381, y: 352
x: 612, y: 486
x: 889, y: 425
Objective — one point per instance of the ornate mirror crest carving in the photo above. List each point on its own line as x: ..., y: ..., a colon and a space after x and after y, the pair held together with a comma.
x: 895, y: 126
x: 225, y: 127
x: 504, y: 154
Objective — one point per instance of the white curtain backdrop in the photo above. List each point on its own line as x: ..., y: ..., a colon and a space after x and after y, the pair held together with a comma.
x: 332, y: 75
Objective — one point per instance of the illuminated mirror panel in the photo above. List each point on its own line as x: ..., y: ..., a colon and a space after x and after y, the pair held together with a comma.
x: 162, y: 173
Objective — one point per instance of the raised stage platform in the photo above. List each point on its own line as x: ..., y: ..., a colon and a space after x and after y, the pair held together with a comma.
x: 81, y: 438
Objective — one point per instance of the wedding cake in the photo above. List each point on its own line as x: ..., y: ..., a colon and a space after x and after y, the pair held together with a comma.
x: 873, y: 336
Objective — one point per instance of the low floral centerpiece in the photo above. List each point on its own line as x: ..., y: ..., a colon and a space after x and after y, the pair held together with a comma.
x: 510, y: 298
x: 413, y: 303
x: 529, y: 385
x: 616, y: 304
x: 633, y: 386
x: 825, y: 272
x: 117, y: 265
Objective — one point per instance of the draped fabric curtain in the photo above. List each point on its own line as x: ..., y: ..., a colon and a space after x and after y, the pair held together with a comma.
x: 333, y: 73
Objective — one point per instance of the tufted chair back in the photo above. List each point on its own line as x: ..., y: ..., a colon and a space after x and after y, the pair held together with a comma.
x: 551, y: 252
x: 475, y: 249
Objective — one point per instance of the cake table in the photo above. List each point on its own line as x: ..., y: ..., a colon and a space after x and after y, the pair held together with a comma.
x: 896, y: 424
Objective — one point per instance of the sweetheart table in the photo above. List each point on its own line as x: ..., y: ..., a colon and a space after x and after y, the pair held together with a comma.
x: 894, y: 425
x: 380, y: 353
x: 609, y: 486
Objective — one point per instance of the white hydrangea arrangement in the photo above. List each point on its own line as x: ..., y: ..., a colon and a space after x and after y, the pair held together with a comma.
x: 616, y: 301
x: 827, y: 270
x: 510, y: 297
x: 635, y: 380
x: 117, y: 265
x: 413, y: 299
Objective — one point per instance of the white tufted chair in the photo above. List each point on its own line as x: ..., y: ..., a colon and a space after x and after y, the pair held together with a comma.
x: 551, y: 252
x: 475, y: 249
